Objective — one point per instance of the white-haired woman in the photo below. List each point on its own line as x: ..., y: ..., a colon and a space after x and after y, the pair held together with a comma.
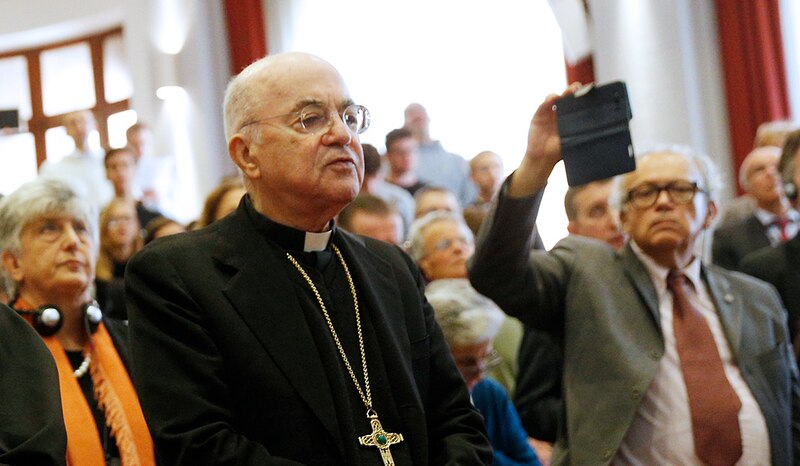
x: 48, y: 247
x: 470, y: 322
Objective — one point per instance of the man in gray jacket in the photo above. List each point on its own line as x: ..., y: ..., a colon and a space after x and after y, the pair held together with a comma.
x: 667, y: 360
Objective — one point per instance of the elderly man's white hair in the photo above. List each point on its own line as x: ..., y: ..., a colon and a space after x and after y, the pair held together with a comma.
x: 465, y: 316
x: 33, y: 200
x: 416, y: 234
x: 711, y: 182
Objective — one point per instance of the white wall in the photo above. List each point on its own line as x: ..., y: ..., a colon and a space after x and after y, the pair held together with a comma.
x: 667, y: 53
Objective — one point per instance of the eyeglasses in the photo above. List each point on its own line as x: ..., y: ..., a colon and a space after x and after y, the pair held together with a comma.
x: 447, y: 243
x: 477, y: 366
x: 315, y: 118
x: 680, y: 192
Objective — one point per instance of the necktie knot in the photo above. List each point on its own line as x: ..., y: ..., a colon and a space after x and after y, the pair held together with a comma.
x: 677, y: 281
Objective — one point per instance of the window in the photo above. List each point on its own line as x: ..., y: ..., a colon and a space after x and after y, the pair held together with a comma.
x: 45, y: 83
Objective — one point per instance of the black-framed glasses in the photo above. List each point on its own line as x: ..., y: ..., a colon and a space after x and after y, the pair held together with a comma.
x: 315, y: 118
x: 680, y: 192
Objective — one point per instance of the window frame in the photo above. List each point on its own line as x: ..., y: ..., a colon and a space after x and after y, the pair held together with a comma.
x: 39, y: 123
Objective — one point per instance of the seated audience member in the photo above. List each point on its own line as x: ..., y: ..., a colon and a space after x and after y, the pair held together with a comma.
x: 590, y: 214
x: 161, y: 226
x: 538, y: 396
x: 773, y: 221
x: 374, y: 184
x: 774, y: 133
x: 83, y: 168
x: 667, y: 360
x: 31, y: 424
x: 431, y: 198
x: 402, y: 154
x: 769, y: 133
x: 437, y: 166
x: 441, y: 244
x: 370, y: 216
x: 223, y: 200
x: 121, y: 172
x: 780, y: 266
x: 486, y: 171
x: 470, y: 322
x: 48, y: 249
x: 120, y: 238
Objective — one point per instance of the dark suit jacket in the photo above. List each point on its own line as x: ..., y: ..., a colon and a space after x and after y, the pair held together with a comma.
x: 31, y: 423
x: 780, y: 266
x: 228, y: 372
x: 606, y: 307
x: 735, y: 240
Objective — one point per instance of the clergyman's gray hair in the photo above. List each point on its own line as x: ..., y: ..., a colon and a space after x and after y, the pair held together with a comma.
x: 33, y: 200
x: 711, y: 182
x: 416, y: 234
x: 465, y: 316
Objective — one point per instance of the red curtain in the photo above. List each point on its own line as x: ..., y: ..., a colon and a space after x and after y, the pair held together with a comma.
x: 247, y: 39
x: 582, y: 72
x: 754, y: 72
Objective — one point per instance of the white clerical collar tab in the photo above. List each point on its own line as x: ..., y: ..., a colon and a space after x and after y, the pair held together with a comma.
x: 317, y: 241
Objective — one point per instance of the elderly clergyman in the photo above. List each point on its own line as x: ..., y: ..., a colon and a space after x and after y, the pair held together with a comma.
x: 271, y: 336
x: 667, y: 360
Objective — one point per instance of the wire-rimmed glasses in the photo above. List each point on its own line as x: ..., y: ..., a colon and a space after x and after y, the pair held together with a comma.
x: 315, y: 118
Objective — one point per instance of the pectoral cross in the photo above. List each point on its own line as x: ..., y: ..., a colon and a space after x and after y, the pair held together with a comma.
x: 380, y: 438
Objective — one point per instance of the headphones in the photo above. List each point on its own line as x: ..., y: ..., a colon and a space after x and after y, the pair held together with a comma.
x: 48, y: 319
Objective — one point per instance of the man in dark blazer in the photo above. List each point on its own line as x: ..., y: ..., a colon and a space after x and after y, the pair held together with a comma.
x: 271, y: 336
x: 630, y: 396
x: 760, y: 178
x: 780, y: 266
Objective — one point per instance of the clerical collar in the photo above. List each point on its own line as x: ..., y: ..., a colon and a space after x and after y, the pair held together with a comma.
x: 287, y: 237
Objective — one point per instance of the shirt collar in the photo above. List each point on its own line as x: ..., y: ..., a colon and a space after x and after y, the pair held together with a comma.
x: 768, y: 218
x: 287, y: 237
x: 659, y: 273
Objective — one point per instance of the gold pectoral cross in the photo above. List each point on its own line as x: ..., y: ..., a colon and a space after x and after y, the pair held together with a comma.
x: 380, y: 438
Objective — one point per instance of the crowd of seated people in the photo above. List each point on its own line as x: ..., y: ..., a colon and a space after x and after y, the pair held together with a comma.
x: 417, y: 196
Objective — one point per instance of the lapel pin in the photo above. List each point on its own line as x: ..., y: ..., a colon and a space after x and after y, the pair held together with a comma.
x: 728, y: 298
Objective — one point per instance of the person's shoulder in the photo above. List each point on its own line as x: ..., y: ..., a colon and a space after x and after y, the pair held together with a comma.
x: 763, y: 261
x: 742, y: 284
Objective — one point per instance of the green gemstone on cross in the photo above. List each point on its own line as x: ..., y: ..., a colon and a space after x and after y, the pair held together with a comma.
x: 381, y: 439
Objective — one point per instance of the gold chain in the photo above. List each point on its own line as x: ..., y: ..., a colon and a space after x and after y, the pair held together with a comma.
x: 368, y: 398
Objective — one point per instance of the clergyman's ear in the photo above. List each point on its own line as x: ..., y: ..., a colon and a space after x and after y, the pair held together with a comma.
x: 239, y: 151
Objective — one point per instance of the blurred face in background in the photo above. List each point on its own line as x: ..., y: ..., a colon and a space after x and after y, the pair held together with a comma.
x: 486, y: 171
x: 447, y: 246
x: 388, y: 228
x: 594, y: 217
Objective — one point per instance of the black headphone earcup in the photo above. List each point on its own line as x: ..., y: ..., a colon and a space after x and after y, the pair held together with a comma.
x: 47, y: 320
x: 92, y: 316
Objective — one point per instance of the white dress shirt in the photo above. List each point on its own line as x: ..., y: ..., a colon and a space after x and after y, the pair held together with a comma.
x: 661, y: 432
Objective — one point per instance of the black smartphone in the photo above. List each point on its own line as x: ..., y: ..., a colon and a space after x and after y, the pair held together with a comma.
x: 595, y: 136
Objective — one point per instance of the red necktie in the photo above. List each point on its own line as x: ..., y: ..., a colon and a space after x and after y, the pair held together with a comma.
x: 782, y: 222
x: 713, y: 404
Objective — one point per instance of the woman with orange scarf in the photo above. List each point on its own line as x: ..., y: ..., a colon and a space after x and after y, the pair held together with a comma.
x: 49, y: 249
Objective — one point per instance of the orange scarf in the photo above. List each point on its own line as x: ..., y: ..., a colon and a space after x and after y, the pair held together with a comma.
x: 115, y: 396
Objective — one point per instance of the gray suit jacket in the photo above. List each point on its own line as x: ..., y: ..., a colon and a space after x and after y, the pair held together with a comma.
x: 604, y: 307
